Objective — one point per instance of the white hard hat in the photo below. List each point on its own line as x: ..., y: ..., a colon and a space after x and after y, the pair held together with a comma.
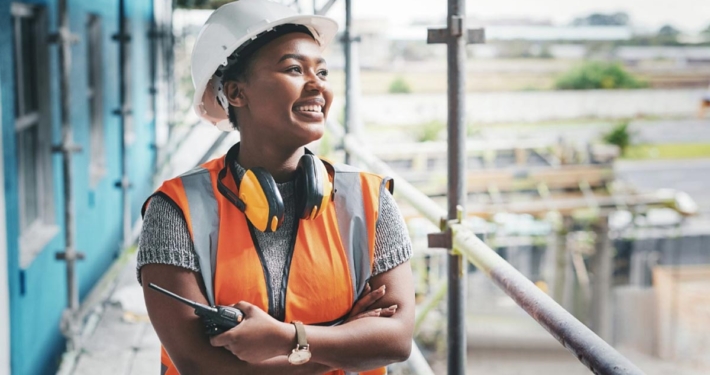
x: 229, y: 27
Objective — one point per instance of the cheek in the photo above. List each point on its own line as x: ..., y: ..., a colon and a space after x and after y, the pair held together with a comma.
x: 328, y: 96
x: 277, y: 97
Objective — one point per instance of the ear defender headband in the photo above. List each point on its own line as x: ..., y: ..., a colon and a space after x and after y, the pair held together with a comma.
x: 258, y: 196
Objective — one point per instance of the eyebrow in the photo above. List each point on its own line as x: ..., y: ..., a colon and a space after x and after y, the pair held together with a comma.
x: 300, y: 57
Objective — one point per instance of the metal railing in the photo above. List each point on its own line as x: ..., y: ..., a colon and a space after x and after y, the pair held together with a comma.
x: 589, y: 348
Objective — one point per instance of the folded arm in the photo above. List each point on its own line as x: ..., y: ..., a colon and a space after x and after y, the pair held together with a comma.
x: 357, y: 345
x: 372, y: 342
x: 182, y: 332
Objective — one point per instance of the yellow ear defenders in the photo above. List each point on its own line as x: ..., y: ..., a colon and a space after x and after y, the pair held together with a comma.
x: 260, y: 200
x: 313, y: 187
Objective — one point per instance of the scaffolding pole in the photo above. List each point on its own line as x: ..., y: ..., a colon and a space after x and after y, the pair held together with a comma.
x: 456, y: 36
x: 456, y: 56
x: 64, y: 39
x: 349, y: 123
x: 123, y: 37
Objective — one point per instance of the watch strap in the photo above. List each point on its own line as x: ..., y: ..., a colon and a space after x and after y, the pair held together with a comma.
x: 300, y: 334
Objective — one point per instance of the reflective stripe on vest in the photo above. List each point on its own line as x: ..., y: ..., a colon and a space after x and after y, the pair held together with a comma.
x: 354, y: 213
x: 202, y: 205
x: 352, y: 224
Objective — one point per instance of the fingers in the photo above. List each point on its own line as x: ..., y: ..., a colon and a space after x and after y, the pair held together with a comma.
x: 244, y: 306
x: 369, y: 298
x: 383, y: 313
x: 223, y: 339
x: 388, y: 312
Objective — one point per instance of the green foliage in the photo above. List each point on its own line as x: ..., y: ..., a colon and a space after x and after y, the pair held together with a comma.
x: 620, y: 136
x: 667, y: 35
x: 668, y: 30
x: 598, y: 75
x: 399, y: 86
x: 600, y: 19
x: 429, y: 131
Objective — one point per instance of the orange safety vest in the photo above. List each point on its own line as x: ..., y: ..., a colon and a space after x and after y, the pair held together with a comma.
x: 330, y: 262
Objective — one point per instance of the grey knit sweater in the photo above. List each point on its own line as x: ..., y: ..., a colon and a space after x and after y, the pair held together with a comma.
x: 165, y: 238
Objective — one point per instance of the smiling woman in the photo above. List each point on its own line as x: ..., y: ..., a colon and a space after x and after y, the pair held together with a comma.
x: 316, y: 255
x: 281, y: 96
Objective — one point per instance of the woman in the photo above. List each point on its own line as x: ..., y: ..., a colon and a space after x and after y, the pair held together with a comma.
x: 316, y: 259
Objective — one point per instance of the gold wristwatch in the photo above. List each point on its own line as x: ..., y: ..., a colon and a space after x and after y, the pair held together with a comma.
x: 301, y: 354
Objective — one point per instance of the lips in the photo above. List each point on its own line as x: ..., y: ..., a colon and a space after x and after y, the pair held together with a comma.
x: 315, y: 105
x: 309, y: 108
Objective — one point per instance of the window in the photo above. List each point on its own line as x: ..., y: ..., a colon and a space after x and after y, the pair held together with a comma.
x: 97, y: 165
x: 32, y: 132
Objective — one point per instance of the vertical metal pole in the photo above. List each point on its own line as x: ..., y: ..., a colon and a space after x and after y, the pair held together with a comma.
x: 124, y: 182
x: 603, y: 273
x: 347, y: 46
x: 69, y: 255
x: 456, y: 56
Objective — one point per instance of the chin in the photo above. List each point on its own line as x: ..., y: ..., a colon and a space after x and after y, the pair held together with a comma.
x: 315, y: 134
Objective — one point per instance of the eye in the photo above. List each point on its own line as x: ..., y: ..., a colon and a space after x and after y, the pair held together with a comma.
x: 295, y: 69
x: 323, y: 73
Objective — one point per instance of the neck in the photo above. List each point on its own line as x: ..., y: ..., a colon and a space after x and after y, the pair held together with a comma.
x: 280, y: 163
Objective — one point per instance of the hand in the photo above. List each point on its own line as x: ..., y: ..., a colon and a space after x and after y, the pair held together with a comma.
x: 363, y: 306
x: 258, y: 337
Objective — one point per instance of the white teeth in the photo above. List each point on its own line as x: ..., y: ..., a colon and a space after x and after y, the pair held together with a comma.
x: 309, y: 108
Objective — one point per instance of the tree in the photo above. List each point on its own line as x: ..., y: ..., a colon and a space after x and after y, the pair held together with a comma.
x: 667, y: 35
x: 620, y: 136
x: 594, y: 75
x: 399, y: 86
x: 600, y: 19
x: 668, y: 31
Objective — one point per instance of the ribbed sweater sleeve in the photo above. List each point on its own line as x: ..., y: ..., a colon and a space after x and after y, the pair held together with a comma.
x: 392, y: 244
x: 165, y: 238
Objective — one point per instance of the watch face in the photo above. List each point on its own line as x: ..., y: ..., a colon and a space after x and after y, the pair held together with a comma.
x: 299, y: 357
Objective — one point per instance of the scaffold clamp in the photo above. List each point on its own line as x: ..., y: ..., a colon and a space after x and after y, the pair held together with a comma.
x: 456, y: 28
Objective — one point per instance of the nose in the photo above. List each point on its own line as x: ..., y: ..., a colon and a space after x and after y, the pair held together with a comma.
x: 315, y: 83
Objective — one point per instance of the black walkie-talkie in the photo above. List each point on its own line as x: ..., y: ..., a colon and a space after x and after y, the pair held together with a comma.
x: 217, y: 319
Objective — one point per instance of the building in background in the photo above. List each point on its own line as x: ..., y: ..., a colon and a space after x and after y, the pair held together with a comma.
x: 30, y: 116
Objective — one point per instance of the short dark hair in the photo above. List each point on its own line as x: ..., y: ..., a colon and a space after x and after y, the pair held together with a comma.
x: 239, y: 63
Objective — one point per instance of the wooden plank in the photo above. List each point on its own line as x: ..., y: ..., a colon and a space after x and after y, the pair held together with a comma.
x: 516, y: 179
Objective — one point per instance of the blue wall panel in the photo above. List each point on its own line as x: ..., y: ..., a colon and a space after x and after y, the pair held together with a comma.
x: 7, y: 102
x: 38, y: 293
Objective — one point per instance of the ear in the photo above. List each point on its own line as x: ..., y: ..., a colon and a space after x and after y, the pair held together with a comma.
x: 234, y: 90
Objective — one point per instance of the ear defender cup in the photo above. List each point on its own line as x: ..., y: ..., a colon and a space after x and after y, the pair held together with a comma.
x: 264, y: 205
x: 313, y: 187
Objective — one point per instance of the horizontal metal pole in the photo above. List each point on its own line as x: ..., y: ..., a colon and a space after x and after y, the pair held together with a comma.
x: 419, y: 200
x: 591, y: 350
x: 217, y: 143
x: 428, y: 305
x: 417, y: 363
x: 173, y: 146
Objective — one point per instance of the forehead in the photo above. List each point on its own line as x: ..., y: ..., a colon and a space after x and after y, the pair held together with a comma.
x: 292, y: 43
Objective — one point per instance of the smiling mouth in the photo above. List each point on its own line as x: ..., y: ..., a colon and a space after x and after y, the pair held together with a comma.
x: 309, y: 109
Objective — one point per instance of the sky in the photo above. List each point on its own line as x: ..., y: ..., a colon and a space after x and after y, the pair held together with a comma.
x: 687, y: 15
